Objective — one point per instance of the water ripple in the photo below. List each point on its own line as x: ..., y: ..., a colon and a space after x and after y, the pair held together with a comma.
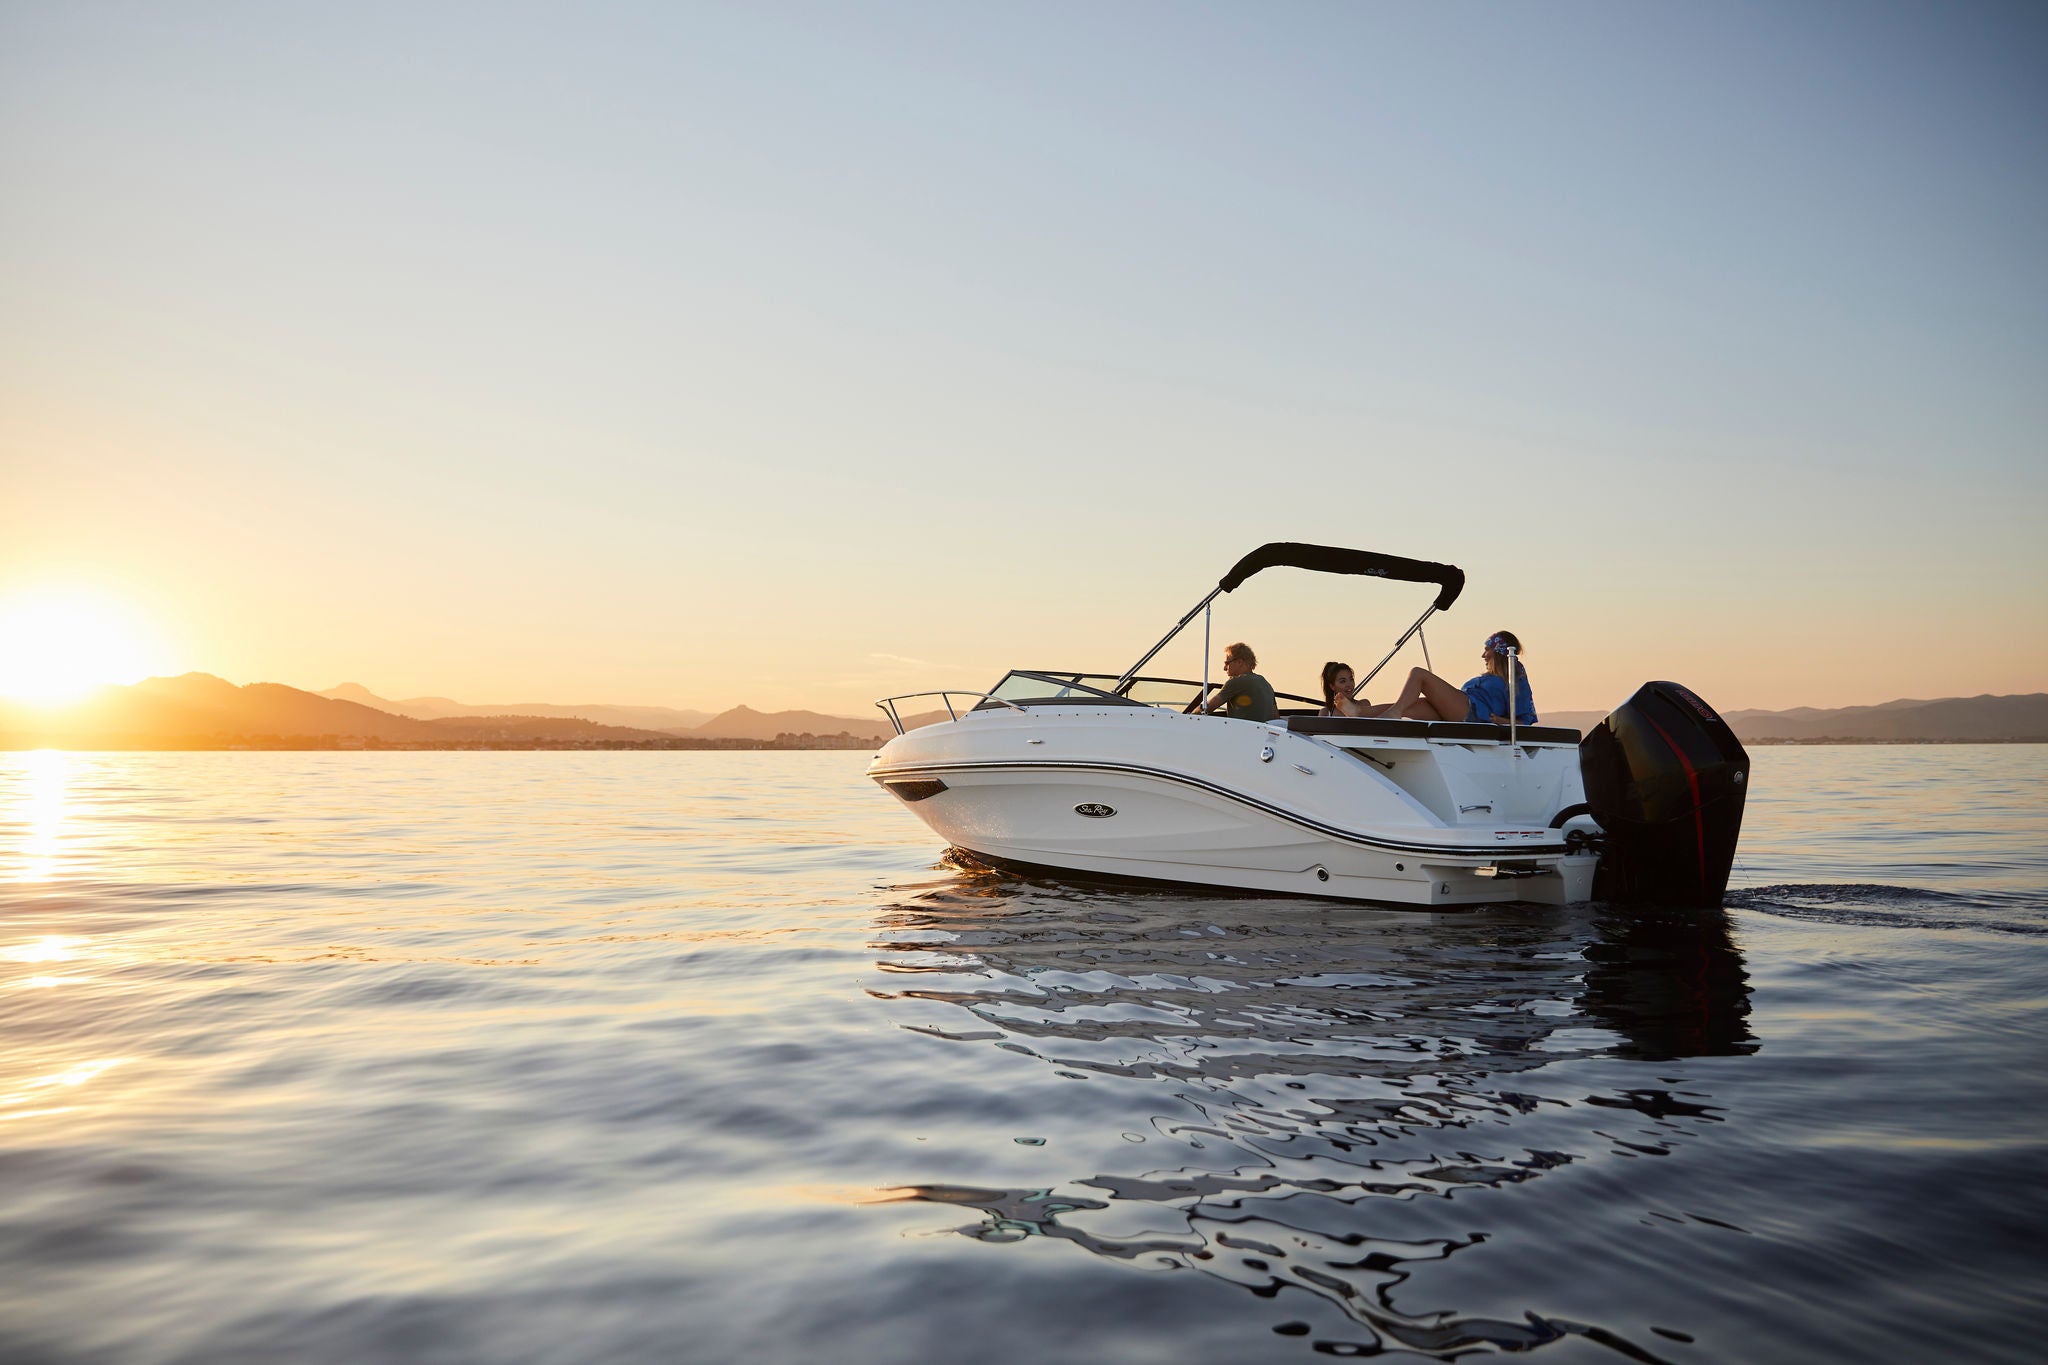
x: 638, y: 1057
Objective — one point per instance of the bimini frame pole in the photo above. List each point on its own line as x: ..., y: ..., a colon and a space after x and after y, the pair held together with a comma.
x: 1205, y: 656
x: 1513, y: 709
x: 1428, y: 612
x: 1181, y: 625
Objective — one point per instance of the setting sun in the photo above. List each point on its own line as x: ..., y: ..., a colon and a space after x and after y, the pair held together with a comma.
x: 57, y: 646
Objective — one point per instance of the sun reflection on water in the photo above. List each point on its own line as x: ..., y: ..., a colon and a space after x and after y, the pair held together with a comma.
x: 48, y: 948
x: 41, y: 814
x: 46, y: 1092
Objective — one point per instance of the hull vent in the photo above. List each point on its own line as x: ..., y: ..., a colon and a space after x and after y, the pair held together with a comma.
x: 914, y: 788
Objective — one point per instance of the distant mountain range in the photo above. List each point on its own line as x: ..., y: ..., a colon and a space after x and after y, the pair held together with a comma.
x: 663, y: 718
x: 741, y: 722
x: 1951, y: 718
x: 200, y: 711
x: 1948, y: 720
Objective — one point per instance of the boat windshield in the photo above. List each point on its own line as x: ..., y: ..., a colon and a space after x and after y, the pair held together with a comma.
x: 1031, y: 688
x: 1045, y: 687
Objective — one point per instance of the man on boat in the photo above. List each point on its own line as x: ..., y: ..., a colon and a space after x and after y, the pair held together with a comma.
x: 1244, y: 695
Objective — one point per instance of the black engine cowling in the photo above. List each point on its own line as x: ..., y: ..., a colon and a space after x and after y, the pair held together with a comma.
x: 1665, y: 778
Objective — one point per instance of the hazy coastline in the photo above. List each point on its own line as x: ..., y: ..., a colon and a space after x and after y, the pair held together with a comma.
x: 199, y: 712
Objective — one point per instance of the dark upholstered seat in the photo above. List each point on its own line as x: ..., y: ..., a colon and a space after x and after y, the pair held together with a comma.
x: 1432, y: 729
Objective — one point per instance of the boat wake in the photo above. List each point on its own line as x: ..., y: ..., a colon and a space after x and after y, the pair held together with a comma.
x: 1897, y: 907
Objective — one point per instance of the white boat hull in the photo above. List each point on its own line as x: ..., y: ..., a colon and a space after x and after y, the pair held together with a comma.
x: 1147, y: 793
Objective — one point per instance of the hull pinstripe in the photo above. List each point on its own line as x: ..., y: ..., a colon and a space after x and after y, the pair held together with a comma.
x: 1486, y: 852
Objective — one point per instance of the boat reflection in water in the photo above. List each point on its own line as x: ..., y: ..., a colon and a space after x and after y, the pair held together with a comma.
x: 1326, y: 1078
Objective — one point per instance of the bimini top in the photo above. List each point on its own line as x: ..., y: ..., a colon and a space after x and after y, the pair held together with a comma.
x: 1330, y: 559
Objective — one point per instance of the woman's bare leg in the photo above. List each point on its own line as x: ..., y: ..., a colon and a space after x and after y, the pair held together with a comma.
x: 1395, y: 709
x: 1444, y: 696
x: 1425, y: 696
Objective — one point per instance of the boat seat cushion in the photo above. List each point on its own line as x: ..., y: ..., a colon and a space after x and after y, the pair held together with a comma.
x: 1431, y: 729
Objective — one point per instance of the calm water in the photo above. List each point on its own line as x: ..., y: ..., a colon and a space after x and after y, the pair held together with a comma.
x: 695, y: 1056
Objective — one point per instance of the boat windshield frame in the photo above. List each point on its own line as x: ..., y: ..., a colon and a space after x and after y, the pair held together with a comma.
x: 1068, y: 690
x: 1071, y: 690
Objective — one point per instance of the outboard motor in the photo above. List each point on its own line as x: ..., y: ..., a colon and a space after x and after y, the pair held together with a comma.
x: 1665, y: 778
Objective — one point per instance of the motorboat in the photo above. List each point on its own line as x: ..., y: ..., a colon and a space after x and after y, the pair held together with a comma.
x: 1116, y: 775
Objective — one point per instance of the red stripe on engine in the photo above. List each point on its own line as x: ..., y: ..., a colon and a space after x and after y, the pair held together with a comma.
x: 1699, y: 819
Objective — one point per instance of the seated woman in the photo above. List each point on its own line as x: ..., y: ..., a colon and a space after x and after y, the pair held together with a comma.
x: 1484, y: 698
x: 1339, y: 682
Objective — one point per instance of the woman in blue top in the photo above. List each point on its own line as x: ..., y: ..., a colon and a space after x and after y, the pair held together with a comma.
x: 1485, y: 698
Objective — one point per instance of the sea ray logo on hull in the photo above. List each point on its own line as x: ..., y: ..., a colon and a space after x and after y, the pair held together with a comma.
x: 1094, y: 811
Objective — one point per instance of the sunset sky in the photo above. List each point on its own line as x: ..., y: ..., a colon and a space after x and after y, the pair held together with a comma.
x: 795, y: 355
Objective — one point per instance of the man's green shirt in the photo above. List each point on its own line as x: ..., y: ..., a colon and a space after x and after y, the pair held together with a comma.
x: 1247, y: 697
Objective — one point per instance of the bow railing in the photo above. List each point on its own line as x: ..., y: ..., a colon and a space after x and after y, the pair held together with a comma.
x: 887, y: 705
